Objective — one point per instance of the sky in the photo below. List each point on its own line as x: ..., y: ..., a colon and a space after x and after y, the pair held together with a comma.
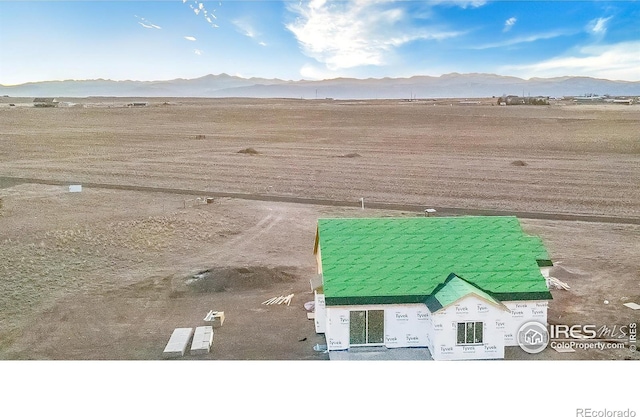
x: 317, y: 39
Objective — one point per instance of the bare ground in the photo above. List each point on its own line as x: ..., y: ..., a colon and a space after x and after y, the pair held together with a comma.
x: 108, y: 274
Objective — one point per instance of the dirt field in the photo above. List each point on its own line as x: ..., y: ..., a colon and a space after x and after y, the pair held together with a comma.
x: 108, y: 273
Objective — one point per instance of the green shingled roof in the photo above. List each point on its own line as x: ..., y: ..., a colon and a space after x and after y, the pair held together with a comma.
x: 390, y: 260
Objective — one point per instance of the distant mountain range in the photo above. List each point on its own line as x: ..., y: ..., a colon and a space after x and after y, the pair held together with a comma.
x: 223, y: 85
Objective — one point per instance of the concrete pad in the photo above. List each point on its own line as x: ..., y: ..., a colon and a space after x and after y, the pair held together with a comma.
x: 632, y: 306
x: 380, y: 354
x: 202, y: 340
x: 178, y: 342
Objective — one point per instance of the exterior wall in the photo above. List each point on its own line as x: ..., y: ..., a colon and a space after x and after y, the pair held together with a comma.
x: 443, y: 344
x: 522, y: 312
x: 337, y: 328
x: 405, y: 325
x: 413, y: 325
x: 320, y: 313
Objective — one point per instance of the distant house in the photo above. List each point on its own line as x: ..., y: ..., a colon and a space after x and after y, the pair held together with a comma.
x: 45, y: 102
x: 138, y: 104
x: 460, y: 286
x: 518, y: 100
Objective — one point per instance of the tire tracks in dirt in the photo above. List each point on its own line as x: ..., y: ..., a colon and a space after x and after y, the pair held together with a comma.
x: 450, y: 211
x: 230, y: 248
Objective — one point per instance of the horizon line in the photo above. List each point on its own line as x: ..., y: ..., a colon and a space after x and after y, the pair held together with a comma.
x: 315, y: 80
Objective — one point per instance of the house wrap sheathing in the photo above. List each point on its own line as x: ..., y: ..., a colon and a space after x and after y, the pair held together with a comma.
x: 460, y: 286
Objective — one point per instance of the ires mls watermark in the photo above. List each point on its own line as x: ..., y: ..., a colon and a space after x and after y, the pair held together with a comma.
x: 534, y: 337
x: 589, y: 412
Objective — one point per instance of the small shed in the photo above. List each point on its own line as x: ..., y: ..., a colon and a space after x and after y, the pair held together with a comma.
x: 461, y: 286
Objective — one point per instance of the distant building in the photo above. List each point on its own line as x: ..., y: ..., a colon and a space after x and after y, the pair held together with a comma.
x: 138, y: 104
x: 518, y: 100
x: 45, y: 102
x: 588, y: 98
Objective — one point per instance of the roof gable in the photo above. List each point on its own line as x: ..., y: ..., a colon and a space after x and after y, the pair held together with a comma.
x: 454, y: 289
x: 407, y: 258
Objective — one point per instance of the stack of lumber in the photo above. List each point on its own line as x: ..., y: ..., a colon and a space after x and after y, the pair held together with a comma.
x: 279, y: 300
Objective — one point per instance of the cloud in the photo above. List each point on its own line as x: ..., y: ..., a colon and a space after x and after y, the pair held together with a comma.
x: 508, y: 24
x: 618, y: 61
x: 245, y: 28
x: 355, y: 33
x: 149, y: 26
x: 314, y: 72
x: 146, y: 24
x: 197, y: 51
x: 522, y: 39
x: 190, y: 38
x: 248, y: 30
x: 199, y: 8
x: 598, y: 26
x: 460, y: 3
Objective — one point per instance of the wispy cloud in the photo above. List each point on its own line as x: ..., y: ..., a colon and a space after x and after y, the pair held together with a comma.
x: 618, y: 61
x: 245, y: 28
x: 508, y: 24
x: 190, y: 38
x: 461, y: 3
x: 146, y: 24
x: 522, y: 39
x: 598, y: 27
x: 356, y: 33
x: 197, y: 51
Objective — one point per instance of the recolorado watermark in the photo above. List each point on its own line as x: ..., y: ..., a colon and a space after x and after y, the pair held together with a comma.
x: 534, y: 337
x: 590, y: 412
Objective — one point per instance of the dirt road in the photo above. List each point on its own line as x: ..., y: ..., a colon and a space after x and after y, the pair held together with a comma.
x: 447, y: 211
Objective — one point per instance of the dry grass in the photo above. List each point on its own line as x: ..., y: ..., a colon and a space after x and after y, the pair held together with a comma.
x: 45, y: 265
